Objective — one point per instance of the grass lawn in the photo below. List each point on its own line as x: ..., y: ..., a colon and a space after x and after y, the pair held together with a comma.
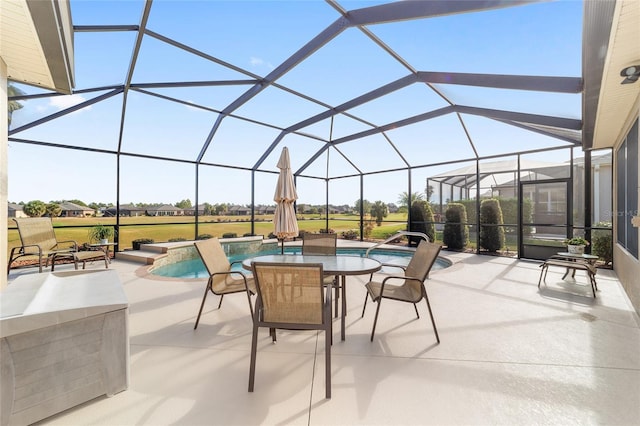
x: 164, y: 228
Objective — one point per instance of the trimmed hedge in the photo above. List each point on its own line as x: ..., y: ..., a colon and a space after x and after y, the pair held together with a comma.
x: 136, y: 243
x: 421, y: 221
x: 470, y: 207
x: 429, y: 219
x: 491, y: 234
x: 509, y: 207
x: 456, y: 231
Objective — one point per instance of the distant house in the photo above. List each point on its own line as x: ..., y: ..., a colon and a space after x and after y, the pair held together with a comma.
x: 125, y: 210
x: 191, y: 211
x: 266, y: 210
x: 344, y: 209
x: 392, y: 208
x: 239, y: 210
x: 74, y: 210
x: 165, y: 210
x: 15, y: 210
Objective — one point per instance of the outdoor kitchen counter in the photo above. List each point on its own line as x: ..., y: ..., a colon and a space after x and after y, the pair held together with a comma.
x: 64, y: 340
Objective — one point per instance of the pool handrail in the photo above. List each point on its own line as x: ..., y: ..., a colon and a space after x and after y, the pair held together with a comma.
x: 397, y: 235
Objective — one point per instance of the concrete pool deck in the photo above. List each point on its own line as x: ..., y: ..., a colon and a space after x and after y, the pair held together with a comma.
x: 510, y: 354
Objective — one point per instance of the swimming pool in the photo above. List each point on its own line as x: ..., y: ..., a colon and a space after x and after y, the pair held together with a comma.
x: 194, y: 268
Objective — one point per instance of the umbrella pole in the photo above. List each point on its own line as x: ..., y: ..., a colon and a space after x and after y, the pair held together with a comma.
x: 282, y: 246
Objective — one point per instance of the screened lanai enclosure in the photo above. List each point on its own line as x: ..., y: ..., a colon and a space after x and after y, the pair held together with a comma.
x: 457, y: 101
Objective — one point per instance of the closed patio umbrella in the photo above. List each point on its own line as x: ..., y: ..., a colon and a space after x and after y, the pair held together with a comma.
x: 285, y: 222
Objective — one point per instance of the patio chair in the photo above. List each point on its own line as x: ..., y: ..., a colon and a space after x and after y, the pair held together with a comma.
x: 39, y: 239
x: 323, y: 245
x: 222, y: 279
x: 412, y: 288
x: 278, y: 306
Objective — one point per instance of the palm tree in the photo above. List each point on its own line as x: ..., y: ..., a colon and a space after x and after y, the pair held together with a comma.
x: 13, y: 105
x: 53, y: 209
x: 403, y: 198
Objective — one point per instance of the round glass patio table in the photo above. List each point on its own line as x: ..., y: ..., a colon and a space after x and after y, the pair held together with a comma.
x: 571, y: 256
x: 340, y: 265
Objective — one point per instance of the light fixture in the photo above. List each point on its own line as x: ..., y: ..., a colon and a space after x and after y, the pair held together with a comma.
x: 632, y: 73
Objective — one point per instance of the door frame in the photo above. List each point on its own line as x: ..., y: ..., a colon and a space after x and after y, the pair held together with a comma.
x: 542, y: 252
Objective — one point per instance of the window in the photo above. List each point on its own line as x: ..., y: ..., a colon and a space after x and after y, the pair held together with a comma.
x: 627, y: 200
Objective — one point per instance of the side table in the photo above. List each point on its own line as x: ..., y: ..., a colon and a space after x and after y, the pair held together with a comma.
x: 572, y: 262
x: 585, y: 258
x: 104, y: 247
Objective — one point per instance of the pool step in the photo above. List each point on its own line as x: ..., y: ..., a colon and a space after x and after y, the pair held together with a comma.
x: 147, y: 257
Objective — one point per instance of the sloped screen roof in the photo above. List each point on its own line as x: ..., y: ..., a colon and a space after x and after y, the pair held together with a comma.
x: 351, y: 88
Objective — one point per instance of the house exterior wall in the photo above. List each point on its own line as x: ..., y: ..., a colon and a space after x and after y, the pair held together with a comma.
x: 602, y: 184
x: 625, y: 265
x: 4, y: 185
x: 164, y: 213
x: 16, y: 213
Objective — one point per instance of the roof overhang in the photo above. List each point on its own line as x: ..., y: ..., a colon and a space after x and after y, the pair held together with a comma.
x: 37, y: 43
x: 610, y: 43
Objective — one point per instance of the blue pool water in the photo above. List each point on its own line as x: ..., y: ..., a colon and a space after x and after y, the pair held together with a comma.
x: 194, y: 268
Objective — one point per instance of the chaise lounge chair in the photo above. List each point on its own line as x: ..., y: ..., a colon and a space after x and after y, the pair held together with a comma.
x: 39, y: 239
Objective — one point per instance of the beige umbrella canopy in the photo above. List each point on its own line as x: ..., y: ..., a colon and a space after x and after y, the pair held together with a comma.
x: 285, y: 222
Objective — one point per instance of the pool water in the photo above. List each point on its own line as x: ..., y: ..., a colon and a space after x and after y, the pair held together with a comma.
x: 194, y: 268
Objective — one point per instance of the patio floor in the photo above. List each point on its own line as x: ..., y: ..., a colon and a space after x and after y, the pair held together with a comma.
x: 510, y: 354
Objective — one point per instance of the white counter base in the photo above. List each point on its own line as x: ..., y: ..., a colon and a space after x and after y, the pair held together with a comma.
x: 64, y: 341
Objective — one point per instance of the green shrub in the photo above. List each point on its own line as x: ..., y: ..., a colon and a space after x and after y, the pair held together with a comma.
x: 491, y: 234
x: 175, y: 240
x: 602, y: 242
x: 204, y: 236
x: 229, y: 235
x: 421, y: 221
x: 509, y: 207
x: 470, y: 207
x: 456, y: 232
x: 136, y: 243
x: 350, y: 234
x: 417, y: 223
x: 368, y: 227
x: 327, y: 231
x: 430, y: 220
x: 248, y: 234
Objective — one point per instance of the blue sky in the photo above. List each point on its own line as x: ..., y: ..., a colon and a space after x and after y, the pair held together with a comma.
x: 256, y: 36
